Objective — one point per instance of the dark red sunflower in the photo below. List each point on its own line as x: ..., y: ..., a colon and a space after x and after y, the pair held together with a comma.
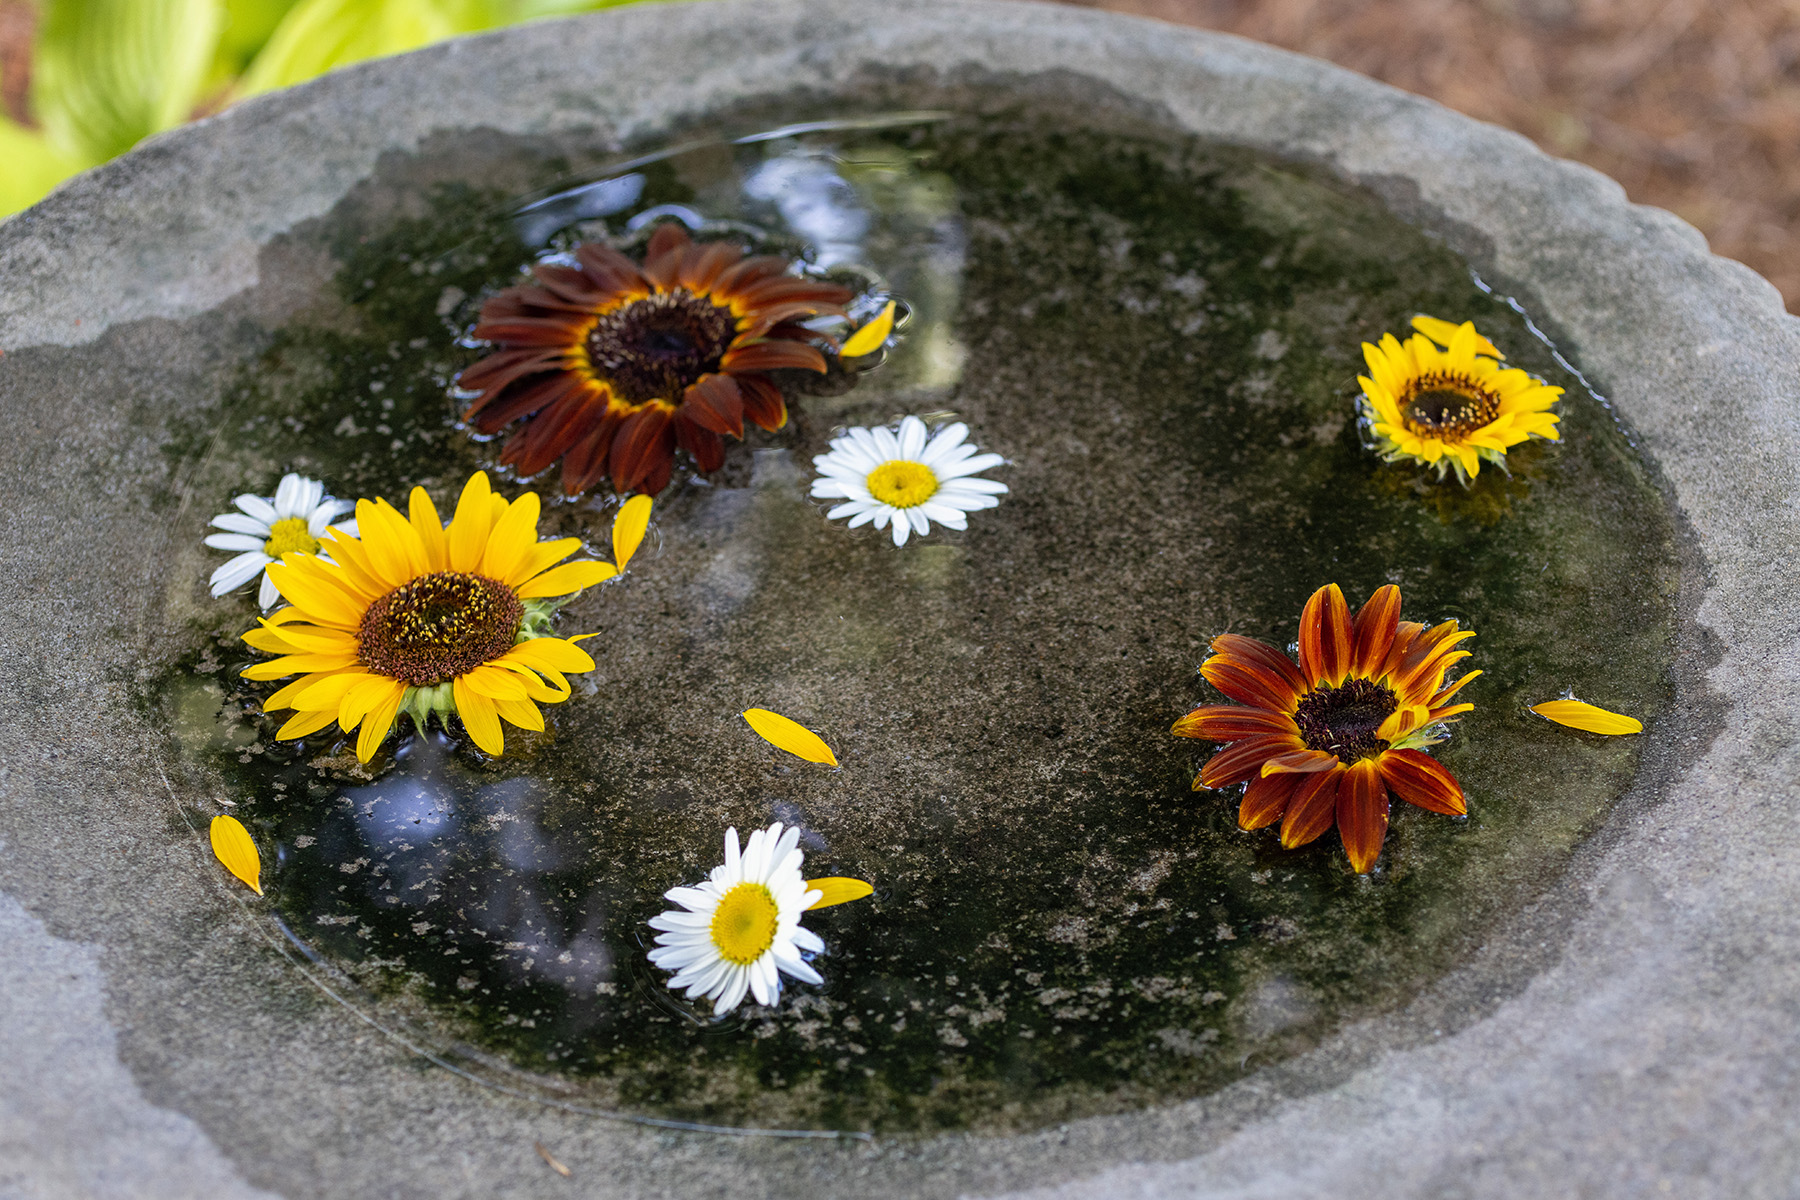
x: 610, y: 365
x: 1326, y: 741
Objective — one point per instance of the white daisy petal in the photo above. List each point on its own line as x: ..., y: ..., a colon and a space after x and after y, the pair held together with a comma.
x: 267, y: 594
x: 944, y: 514
x: 902, y: 526
x: 948, y: 480
x: 944, y: 444
x: 912, y: 438
x: 239, y: 571
x: 980, y: 462
x: 809, y: 941
x: 235, y: 541
x: 312, y: 491
x: 920, y: 523
x: 288, y: 494
x: 733, y: 995
x: 258, y: 508
x: 242, y: 523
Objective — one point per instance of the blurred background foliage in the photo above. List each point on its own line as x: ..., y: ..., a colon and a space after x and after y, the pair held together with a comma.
x: 105, y: 74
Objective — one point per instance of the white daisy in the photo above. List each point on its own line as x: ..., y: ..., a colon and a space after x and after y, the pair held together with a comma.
x: 886, y: 476
x: 294, y: 518
x: 742, y: 924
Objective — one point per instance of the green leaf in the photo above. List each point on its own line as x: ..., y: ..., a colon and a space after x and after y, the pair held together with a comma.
x: 108, y: 73
x: 33, y: 166
x: 248, y: 26
x: 322, y: 35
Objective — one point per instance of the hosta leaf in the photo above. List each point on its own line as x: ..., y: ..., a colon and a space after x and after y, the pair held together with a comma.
x: 233, y: 846
x: 791, y: 736
x: 33, y: 167
x: 108, y: 73
x: 321, y: 35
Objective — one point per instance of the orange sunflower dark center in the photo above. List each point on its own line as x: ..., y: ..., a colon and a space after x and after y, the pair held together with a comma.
x: 657, y: 347
x: 438, y: 627
x: 1448, y: 405
x: 1343, y: 720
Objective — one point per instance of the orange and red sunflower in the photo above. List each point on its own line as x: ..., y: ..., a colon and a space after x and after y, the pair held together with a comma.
x: 611, y: 365
x: 1327, y: 740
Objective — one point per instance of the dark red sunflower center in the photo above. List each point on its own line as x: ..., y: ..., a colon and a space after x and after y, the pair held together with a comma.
x: 438, y: 627
x: 1343, y: 720
x: 1448, y: 406
x: 655, y: 348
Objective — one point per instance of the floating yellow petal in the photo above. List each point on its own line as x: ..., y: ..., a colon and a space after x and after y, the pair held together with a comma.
x: 791, y: 736
x: 837, y: 891
x: 1586, y: 717
x: 234, y: 847
x: 628, y: 529
x: 869, y: 338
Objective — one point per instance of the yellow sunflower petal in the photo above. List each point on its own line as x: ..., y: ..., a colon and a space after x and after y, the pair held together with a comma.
x: 522, y: 713
x: 422, y: 515
x: 784, y: 734
x: 288, y: 696
x: 837, y: 891
x: 541, y: 557
x: 293, y: 664
x: 376, y: 725
x: 479, y: 717
x: 303, y: 723
x: 316, y: 593
x: 366, y: 695
x: 1442, y: 331
x: 513, y: 534
x: 495, y: 683
x: 568, y: 578
x: 553, y: 653
x: 628, y: 529
x: 869, y: 338
x: 1587, y: 717
x: 469, y: 528
x: 233, y: 846
x: 360, y: 572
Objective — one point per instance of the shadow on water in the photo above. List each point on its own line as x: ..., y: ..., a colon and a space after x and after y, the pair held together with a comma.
x: 1162, y: 338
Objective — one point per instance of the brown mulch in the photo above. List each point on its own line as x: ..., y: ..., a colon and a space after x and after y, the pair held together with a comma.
x: 1693, y: 105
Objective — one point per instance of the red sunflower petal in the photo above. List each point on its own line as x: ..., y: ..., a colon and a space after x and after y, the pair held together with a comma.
x: 499, y: 408
x: 585, y: 462
x: 1228, y: 722
x: 1241, y: 760
x: 1300, y: 762
x: 1362, y: 814
x: 715, y: 404
x: 790, y: 287
x: 1325, y: 633
x: 531, y: 331
x: 1271, y: 660
x: 663, y: 257
x: 572, y: 284
x: 501, y: 368
x: 1266, y: 799
x: 772, y: 356
x: 1311, y: 809
x: 701, y: 268
x: 1376, y: 623
x: 600, y: 261
x: 763, y: 401
x: 643, y: 448
x: 1247, y: 684
x: 552, y: 433
x: 707, y: 447
x: 732, y: 280
x: 1421, y: 780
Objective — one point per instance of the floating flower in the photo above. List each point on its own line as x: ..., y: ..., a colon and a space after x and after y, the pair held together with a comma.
x: 740, y: 930
x: 785, y: 734
x: 885, y: 476
x: 612, y: 365
x: 418, y: 618
x: 1590, y: 718
x: 1451, y: 407
x: 1328, y: 740
x: 872, y: 336
x: 236, y: 851
x: 293, y: 519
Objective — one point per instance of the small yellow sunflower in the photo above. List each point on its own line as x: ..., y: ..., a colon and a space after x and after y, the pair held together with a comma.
x: 420, y: 618
x: 1451, y: 407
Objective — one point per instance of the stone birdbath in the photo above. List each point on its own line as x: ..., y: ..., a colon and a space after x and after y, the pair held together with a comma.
x: 1139, y: 262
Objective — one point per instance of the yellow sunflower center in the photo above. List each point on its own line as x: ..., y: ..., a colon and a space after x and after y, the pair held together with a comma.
x: 438, y: 627
x: 743, y: 926
x: 1449, y: 406
x: 902, y: 484
x: 288, y: 535
x: 657, y: 346
x: 1343, y: 720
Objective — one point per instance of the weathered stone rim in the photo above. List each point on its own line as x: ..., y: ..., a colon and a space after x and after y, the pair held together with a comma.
x: 1677, y: 924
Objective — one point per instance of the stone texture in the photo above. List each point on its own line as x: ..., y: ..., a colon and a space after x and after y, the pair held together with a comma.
x: 1637, y: 1033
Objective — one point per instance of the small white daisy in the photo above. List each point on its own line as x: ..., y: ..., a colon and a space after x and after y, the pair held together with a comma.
x: 886, y: 476
x: 294, y: 518
x: 742, y: 924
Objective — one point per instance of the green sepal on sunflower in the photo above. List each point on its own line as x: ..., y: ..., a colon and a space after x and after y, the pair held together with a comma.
x: 1326, y: 740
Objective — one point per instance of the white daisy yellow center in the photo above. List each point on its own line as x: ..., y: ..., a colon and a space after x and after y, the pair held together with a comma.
x: 743, y: 926
x: 902, y: 484
x: 288, y: 535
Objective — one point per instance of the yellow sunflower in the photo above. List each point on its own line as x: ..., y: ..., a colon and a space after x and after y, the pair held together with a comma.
x: 416, y: 617
x: 1454, y: 406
